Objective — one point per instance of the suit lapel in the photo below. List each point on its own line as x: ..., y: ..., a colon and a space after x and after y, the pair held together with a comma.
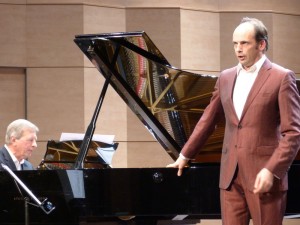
x: 8, y: 161
x: 230, y: 88
x: 260, y: 80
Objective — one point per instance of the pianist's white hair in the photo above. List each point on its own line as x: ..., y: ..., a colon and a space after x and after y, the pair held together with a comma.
x: 17, y: 127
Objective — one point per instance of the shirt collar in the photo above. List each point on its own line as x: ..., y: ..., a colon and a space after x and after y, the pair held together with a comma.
x: 255, y: 67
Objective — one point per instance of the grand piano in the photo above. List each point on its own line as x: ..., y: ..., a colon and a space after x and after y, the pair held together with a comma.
x: 80, y: 185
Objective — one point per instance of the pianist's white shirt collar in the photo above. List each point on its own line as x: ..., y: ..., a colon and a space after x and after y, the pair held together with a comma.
x: 14, y: 159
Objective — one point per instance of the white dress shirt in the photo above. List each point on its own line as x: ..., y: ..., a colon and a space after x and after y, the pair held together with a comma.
x: 243, y: 84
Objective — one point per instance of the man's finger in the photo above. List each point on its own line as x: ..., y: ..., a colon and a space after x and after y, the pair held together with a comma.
x: 257, y: 184
x: 179, y: 173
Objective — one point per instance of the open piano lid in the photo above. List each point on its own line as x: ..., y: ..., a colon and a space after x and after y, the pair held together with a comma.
x: 168, y: 101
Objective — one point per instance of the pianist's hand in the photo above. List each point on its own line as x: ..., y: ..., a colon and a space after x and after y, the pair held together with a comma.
x: 180, y: 163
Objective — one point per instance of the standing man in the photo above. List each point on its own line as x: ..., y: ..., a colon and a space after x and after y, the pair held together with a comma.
x: 20, y: 141
x: 261, y: 104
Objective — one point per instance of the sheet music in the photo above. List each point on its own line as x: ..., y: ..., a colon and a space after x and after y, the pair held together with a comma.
x: 108, y: 139
x: 106, y: 154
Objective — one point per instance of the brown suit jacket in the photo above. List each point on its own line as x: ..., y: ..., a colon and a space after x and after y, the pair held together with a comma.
x: 266, y: 136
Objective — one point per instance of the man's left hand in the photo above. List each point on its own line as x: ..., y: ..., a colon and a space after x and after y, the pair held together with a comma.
x: 263, y: 182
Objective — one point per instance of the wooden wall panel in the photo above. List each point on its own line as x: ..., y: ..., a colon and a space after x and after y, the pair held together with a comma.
x: 287, y: 6
x: 56, y: 100
x: 12, y: 97
x: 286, y: 38
x: 50, y: 33
x: 200, y: 41
x: 210, y: 5
x: 13, y: 35
x: 245, y: 6
x: 13, y: 2
x: 120, y: 157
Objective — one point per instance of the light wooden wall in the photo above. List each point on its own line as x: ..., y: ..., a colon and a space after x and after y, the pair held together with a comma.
x: 46, y: 78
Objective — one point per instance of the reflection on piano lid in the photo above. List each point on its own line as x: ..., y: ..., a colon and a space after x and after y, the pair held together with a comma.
x: 168, y: 101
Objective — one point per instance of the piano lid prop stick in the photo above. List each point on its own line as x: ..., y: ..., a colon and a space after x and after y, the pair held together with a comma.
x: 21, y: 183
x: 46, y: 206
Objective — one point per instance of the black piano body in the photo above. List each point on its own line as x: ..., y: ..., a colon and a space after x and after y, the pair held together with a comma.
x: 169, y: 102
x: 133, y: 196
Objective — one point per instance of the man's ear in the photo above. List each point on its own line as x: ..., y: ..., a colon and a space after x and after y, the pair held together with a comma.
x: 12, y: 139
x: 262, y: 45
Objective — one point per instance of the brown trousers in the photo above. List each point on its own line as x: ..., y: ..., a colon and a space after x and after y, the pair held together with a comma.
x: 239, y: 205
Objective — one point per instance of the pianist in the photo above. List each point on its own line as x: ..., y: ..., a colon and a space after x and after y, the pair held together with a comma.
x: 20, y: 141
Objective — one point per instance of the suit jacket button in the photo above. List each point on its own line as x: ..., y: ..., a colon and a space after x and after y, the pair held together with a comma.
x: 239, y: 126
